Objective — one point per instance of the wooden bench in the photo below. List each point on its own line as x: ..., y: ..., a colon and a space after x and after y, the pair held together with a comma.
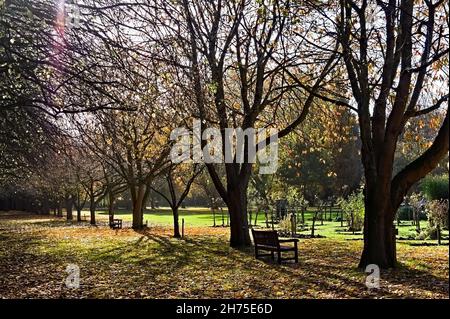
x: 269, y: 241
x: 116, y: 224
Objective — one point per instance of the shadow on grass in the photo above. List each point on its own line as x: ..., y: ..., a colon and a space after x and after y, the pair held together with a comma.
x: 319, y: 272
x: 67, y: 223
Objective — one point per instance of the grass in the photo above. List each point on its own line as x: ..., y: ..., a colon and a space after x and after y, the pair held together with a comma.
x: 35, y: 251
x: 202, y: 217
x: 195, y: 216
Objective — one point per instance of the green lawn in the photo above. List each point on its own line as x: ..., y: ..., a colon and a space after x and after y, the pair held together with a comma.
x: 195, y: 216
x: 202, y: 216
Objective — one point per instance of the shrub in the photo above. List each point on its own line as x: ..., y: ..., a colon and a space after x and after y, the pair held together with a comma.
x: 435, y: 187
x: 428, y: 233
x: 353, y: 204
x: 437, y: 212
x: 417, y: 203
x: 285, y: 226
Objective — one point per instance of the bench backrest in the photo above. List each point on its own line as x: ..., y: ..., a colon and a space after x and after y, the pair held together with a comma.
x: 265, y: 237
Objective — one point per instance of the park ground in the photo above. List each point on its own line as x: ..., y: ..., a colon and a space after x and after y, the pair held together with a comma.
x: 35, y: 251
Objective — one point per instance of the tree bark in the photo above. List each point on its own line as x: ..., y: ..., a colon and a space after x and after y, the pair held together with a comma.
x: 379, y: 241
x: 111, y: 200
x: 417, y: 218
x: 69, y: 207
x: 138, y: 202
x: 237, y: 208
x: 92, y: 207
x: 176, y: 223
x: 438, y: 233
x: 313, y: 224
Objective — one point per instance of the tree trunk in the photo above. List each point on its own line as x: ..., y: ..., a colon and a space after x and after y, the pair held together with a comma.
x: 237, y: 208
x: 313, y: 224
x: 60, y: 209
x: 267, y: 217
x: 138, y: 213
x: 176, y: 224
x: 152, y: 201
x: 111, y: 206
x: 379, y: 237
x: 69, y: 207
x: 92, y: 207
x: 417, y: 221
x: 78, y: 214
x: 438, y: 233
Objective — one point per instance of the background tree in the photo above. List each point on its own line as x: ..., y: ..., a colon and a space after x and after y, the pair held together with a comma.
x: 321, y: 157
x: 178, y: 179
x: 236, y: 56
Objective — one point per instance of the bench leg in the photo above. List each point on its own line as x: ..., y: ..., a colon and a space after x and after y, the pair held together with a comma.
x: 279, y: 257
x: 272, y: 255
x: 256, y: 253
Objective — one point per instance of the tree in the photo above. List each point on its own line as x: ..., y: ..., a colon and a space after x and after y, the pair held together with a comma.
x: 135, y: 146
x: 396, y: 71
x: 179, y: 179
x: 44, y: 62
x: 320, y: 158
x: 417, y: 203
x: 437, y: 212
x: 241, y: 62
x: 94, y: 185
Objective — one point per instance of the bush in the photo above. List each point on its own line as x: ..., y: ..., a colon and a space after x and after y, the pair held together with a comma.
x: 285, y: 226
x: 437, y: 212
x: 435, y: 187
x: 354, y: 203
x: 427, y: 233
